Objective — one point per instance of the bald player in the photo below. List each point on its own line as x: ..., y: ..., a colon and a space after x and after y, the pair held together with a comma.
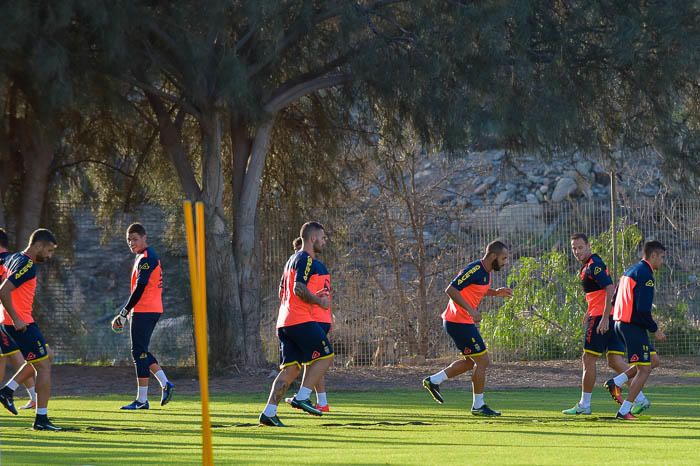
x: 461, y: 322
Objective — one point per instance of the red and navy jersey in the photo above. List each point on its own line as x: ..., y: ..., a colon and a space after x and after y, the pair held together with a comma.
x: 21, y: 272
x: 148, y: 273
x: 472, y: 283
x: 635, y: 295
x: 594, y: 279
x: 302, y: 268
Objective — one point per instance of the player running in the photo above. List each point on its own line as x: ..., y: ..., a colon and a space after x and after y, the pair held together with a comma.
x: 324, y: 317
x: 145, y: 306
x: 302, y: 340
x: 9, y: 351
x: 17, y: 297
x: 599, y: 334
x: 461, y: 321
x: 633, y: 319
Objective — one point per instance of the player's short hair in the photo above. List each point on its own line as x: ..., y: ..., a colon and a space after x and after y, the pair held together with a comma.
x: 4, y: 239
x: 309, y: 228
x: 582, y: 236
x: 42, y: 235
x: 651, y: 247
x: 136, y: 228
x: 495, y: 247
x: 296, y: 244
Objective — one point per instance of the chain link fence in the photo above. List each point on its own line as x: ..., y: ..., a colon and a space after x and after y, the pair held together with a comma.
x: 389, y: 273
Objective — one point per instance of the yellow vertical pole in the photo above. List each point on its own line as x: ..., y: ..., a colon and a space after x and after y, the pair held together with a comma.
x: 196, y: 253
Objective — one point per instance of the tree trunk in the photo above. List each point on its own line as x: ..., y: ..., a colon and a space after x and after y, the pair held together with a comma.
x: 246, y: 247
x: 37, y: 156
x: 223, y: 300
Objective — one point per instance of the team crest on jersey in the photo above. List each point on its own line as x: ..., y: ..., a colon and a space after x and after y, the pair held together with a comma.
x: 597, y: 270
x: 144, y: 266
x: 650, y: 283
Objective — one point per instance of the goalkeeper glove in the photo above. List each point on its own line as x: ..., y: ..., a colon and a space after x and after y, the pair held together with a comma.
x: 119, y: 321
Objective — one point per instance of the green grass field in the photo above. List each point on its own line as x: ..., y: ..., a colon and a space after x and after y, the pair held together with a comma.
x: 402, y: 427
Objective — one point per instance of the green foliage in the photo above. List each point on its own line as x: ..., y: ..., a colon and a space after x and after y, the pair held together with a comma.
x: 543, y: 319
x: 681, y: 334
x: 628, y: 239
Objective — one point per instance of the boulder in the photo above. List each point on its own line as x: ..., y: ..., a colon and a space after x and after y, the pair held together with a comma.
x: 565, y: 187
x: 521, y: 218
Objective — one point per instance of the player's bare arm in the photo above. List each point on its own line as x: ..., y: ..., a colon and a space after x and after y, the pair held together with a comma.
x: 500, y: 292
x: 303, y: 292
x: 454, y: 294
x: 6, y: 299
x: 603, y: 326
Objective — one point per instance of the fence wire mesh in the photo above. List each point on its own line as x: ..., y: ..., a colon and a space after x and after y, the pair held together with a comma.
x: 389, y: 273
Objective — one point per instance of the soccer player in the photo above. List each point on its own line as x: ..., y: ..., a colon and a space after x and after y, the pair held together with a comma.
x: 461, y: 321
x: 324, y: 317
x: 145, y: 306
x: 9, y: 351
x: 599, y: 334
x: 302, y: 340
x: 17, y: 297
x: 633, y: 319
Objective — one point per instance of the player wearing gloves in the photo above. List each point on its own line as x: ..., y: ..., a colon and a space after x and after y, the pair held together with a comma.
x: 144, y: 308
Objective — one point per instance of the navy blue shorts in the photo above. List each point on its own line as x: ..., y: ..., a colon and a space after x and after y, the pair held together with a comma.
x: 8, y: 346
x: 596, y: 344
x: 636, y: 338
x: 466, y: 337
x: 325, y: 326
x: 30, y: 342
x: 303, y: 344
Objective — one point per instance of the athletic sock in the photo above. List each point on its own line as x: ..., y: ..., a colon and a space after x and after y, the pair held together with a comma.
x: 585, y: 400
x: 142, y: 394
x: 270, y: 410
x: 162, y: 379
x: 303, y: 394
x: 478, y: 401
x: 12, y: 385
x: 625, y: 408
x: 31, y: 391
x: 42, y: 411
x: 438, y: 378
x: 620, y: 379
x: 321, y: 399
x: 640, y: 398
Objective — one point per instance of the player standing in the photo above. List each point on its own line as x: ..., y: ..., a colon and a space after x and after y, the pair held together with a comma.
x: 633, y: 319
x: 146, y: 306
x: 599, y: 334
x: 461, y: 321
x: 9, y: 351
x: 302, y: 340
x: 17, y: 297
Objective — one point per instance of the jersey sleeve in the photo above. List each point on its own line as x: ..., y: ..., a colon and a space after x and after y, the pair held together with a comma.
x: 22, y: 274
x: 304, y: 269
x: 466, y: 277
x: 145, y: 268
x: 599, y: 272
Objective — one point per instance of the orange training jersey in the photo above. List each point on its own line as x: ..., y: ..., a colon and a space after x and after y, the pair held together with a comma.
x: 147, y: 271
x: 594, y: 279
x: 302, y: 268
x: 21, y: 272
x: 635, y: 296
x: 472, y: 283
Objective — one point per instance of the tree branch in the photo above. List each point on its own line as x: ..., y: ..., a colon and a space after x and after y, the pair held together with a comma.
x: 286, y: 95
